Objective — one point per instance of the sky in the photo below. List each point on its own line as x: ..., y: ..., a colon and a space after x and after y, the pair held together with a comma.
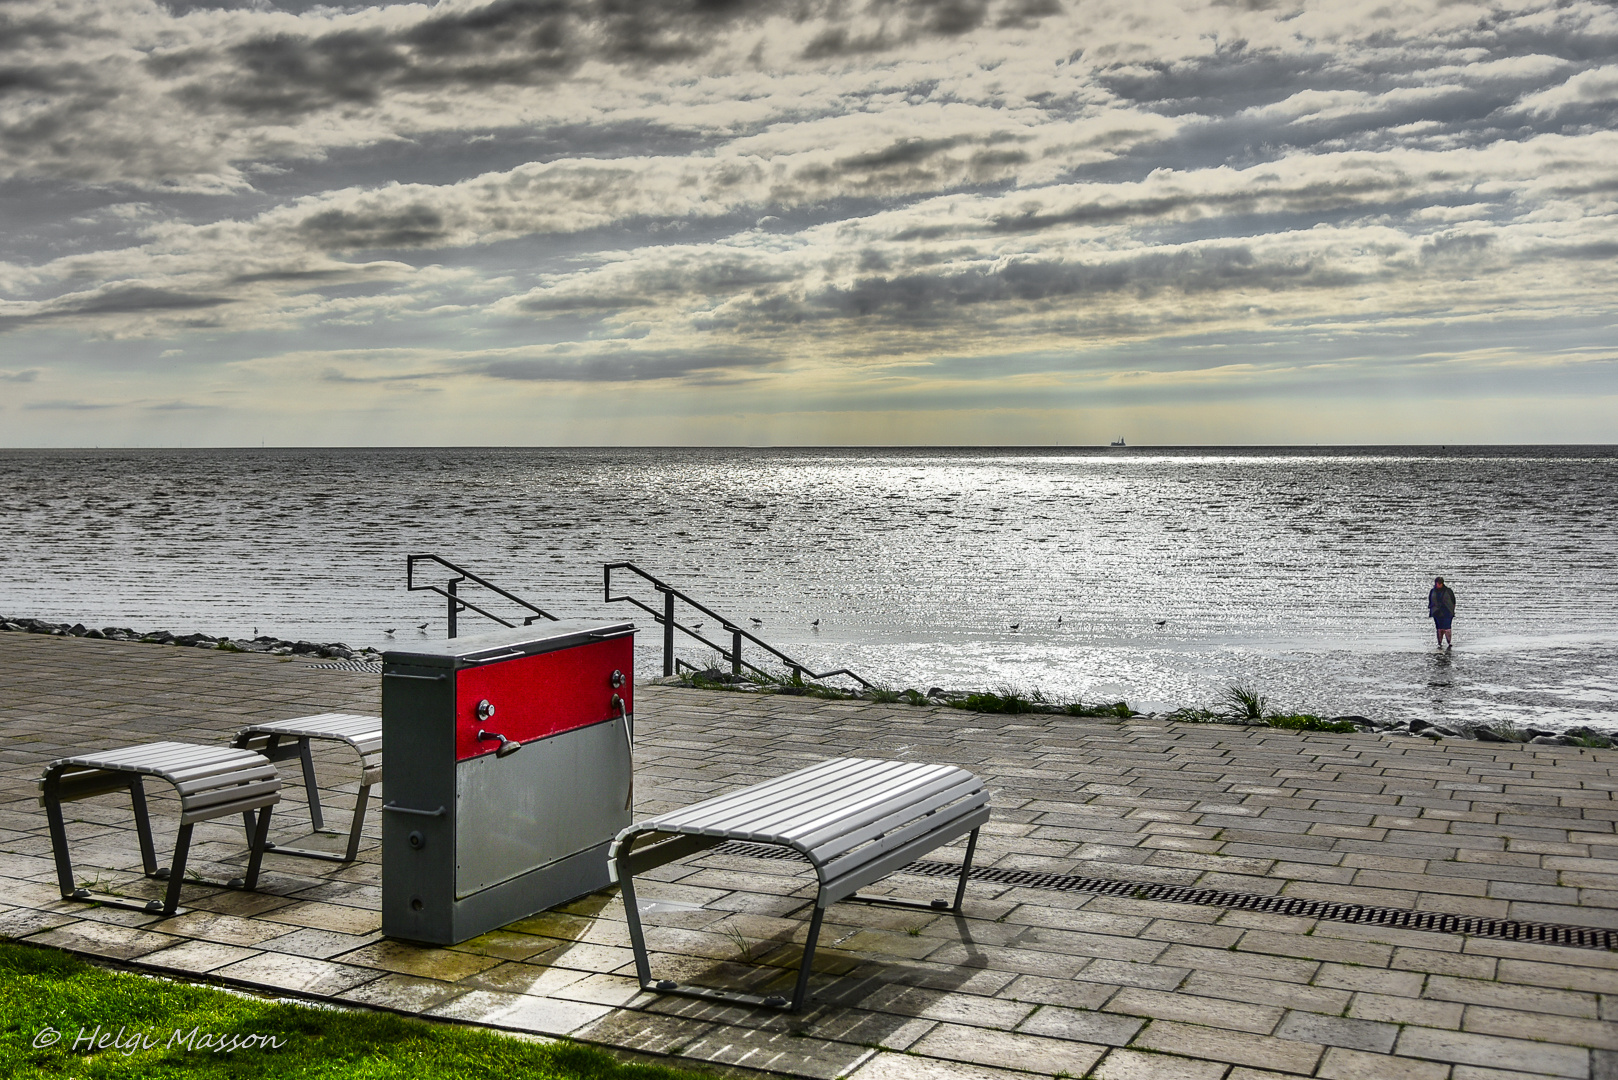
x: 1041, y: 222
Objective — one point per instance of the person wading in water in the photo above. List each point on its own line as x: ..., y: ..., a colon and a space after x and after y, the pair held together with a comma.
x: 1441, y: 609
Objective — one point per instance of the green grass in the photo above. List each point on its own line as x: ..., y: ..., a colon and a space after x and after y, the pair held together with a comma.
x: 43, y: 989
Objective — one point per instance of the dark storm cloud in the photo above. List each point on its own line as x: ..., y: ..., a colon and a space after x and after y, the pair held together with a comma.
x: 417, y: 225
x: 519, y: 42
x: 938, y: 296
x: 116, y: 300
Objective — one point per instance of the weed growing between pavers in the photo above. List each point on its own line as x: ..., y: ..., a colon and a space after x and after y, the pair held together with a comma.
x: 156, y: 1028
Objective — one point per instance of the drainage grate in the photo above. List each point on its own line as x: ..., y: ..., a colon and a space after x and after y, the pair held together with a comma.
x: 1579, y: 937
x: 374, y: 666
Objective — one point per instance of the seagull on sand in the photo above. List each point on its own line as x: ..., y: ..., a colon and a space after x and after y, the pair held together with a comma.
x: 1162, y: 623
x: 389, y: 632
x: 1016, y: 626
x: 423, y: 626
x: 815, y: 623
x: 756, y: 622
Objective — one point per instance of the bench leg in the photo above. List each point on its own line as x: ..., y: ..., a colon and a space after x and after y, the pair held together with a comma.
x: 309, y: 785
x: 143, y: 828
x: 64, y: 862
x: 359, y: 821
x: 182, y: 848
x: 802, y: 991
x: 966, y: 868
x: 255, y: 851
x: 249, y: 816
x: 637, y: 936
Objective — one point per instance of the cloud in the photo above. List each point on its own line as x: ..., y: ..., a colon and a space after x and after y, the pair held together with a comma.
x: 1596, y: 86
x: 517, y: 195
x: 26, y: 375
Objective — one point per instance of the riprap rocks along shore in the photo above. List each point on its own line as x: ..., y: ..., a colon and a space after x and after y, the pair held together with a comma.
x: 331, y: 650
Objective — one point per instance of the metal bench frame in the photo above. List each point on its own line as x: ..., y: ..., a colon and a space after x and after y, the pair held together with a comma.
x: 856, y: 820
x: 212, y: 782
x: 363, y: 733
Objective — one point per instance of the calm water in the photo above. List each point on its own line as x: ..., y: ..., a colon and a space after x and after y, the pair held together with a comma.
x: 1300, y: 573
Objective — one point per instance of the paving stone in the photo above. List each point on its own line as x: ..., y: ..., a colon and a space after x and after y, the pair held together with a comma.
x: 103, y: 939
x: 402, y: 993
x: 904, y: 1067
x: 1191, y: 1009
x: 1344, y: 1064
x: 1082, y: 1025
x: 1031, y: 1052
x: 196, y: 957
x: 1338, y: 1031
x: 1134, y: 1065
x: 521, y: 1012
x: 1236, y: 1047
x: 300, y: 974
x: 1492, y: 1051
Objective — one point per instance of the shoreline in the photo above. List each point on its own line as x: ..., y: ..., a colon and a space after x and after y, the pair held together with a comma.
x: 974, y: 701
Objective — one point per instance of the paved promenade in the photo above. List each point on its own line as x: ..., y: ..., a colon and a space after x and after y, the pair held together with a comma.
x: 1029, y: 981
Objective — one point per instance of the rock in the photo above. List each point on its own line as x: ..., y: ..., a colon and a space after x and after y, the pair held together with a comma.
x: 1483, y: 734
x: 1534, y: 732
x: 77, y: 630
x: 1441, y: 729
x: 95, y: 634
x: 304, y: 648
x: 1357, y: 720
x: 1418, y: 725
x: 10, y: 626
x: 936, y: 691
x: 1553, y: 740
x: 281, y: 650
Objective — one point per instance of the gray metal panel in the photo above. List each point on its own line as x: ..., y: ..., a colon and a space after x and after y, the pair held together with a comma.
x: 553, y: 798
x: 418, y: 742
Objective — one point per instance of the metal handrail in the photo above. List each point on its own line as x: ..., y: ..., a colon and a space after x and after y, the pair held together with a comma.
x: 458, y: 603
x: 666, y: 619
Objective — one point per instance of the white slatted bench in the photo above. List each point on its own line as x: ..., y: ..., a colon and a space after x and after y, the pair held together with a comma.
x: 855, y: 819
x: 212, y: 781
x: 363, y: 733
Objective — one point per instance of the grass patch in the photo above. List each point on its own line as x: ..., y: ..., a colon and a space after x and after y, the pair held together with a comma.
x: 1306, y: 722
x: 1119, y: 709
x: 1007, y: 701
x: 138, y: 1016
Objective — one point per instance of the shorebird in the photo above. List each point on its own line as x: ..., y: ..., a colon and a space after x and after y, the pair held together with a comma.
x: 1059, y: 620
x: 425, y: 625
x: 1162, y: 622
x: 389, y: 632
x: 696, y: 626
x: 1016, y: 626
x: 756, y: 622
x: 815, y: 623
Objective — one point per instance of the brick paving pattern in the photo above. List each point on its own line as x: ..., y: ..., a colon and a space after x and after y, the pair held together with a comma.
x: 1029, y: 981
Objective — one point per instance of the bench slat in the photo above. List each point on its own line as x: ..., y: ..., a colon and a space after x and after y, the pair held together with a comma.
x: 794, y: 794
x: 815, y: 804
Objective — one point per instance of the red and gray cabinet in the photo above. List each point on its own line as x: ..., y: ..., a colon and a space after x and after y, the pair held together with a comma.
x: 509, y: 773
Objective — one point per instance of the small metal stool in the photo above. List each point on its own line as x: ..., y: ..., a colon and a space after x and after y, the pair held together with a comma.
x: 212, y: 781
x: 363, y: 733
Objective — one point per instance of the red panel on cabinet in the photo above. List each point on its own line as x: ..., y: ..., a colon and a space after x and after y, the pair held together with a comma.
x: 541, y: 695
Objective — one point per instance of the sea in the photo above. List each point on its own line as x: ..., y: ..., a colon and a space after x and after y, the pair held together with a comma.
x: 1160, y: 577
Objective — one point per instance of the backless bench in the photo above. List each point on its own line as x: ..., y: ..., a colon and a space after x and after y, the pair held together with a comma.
x: 212, y: 781
x: 363, y: 733
x: 855, y: 819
